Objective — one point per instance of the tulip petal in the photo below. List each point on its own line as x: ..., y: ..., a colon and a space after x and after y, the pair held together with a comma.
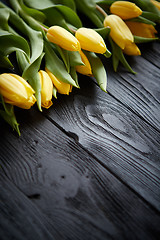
x: 125, y: 9
x: 46, y: 89
x: 132, y: 50
x: 86, y: 68
x: 120, y: 33
x: 16, y: 91
x: 62, y: 88
x: 90, y: 40
x: 142, y: 29
x: 63, y: 38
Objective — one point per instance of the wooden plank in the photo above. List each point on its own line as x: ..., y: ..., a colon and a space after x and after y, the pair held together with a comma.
x: 49, y: 180
x: 140, y: 93
x: 151, y: 52
x: 20, y: 219
x: 119, y: 139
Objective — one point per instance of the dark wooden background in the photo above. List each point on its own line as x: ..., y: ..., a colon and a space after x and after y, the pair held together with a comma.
x: 89, y: 167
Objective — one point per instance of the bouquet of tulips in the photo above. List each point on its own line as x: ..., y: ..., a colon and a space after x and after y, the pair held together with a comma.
x: 53, y: 46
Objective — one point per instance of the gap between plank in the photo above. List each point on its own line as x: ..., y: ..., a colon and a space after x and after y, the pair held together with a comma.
x: 70, y: 135
x: 130, y: 109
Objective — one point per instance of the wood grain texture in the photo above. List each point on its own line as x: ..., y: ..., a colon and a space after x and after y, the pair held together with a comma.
x: 120, y: 140
x: 140, y: 93
x: 19, y: 217
x: 89, y: 167
x: 151, y: 52
x: 50, y: 184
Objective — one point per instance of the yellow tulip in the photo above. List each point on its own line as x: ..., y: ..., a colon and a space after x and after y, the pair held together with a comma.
x: 16, y: 91
x: 156, y: 4
x: 142, y: 29
x: 125, y: 9
x: 62, y: 88
x: 84, y: 69
x: 46, y: 89
x: 120, y: 33
x: 63, y: 38
x: 132, y: 49
x: 90, y: 40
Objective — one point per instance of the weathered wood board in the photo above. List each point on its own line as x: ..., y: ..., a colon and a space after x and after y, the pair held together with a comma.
x: 89, y: 167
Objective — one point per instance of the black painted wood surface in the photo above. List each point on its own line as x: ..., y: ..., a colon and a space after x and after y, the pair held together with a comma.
x: 89, y: 167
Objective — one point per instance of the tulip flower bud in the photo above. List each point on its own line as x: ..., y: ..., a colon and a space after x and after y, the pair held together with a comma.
x: 90, y: 40
x: 125, y: 9
x: 16, y: 91
x: 156, y: 4
x: 142, y: 29
x: 120, y: 33
x: 46, y: 89
x: 63, y: 38
x: 62, y: 88
x: 86, y: 68
x: 132, y: 49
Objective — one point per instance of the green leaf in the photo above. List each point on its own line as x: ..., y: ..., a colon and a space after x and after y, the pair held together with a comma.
x: 58, y: 15
x: 69, y: 15
x: 151, y: 16
x: 27, y: 18
x: 11, y: 120
x: 117, y: 55
x: 8, y: 115
x: 142, y: 20
x: 22, y: 61
x: 94, y: 18
x: 138, y: 39
x: 56, y: 66
x: 98, y: 70
x: 146, y: 5
x: 68, y: 3
x: 54, y: 92
x: 74, y: 75
x: 108, y: 2
x: 50, y: 8
x: 35, y: 37
x: 90, y: 4
x: 64, y: 55
x: 104, y: 32
x: 36, y: 44
x: 88, y: 7
x: 4, y: 16
x: 39, y: 4
x: 31, y: 75
x: 115, y: 62
x: 5, y: 62
x: 54, y: 17
x: 10, y: 43
x: 36, y: 14
x: 75, y: 58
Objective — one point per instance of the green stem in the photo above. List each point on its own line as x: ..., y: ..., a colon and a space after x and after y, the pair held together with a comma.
x: 101, y: 10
